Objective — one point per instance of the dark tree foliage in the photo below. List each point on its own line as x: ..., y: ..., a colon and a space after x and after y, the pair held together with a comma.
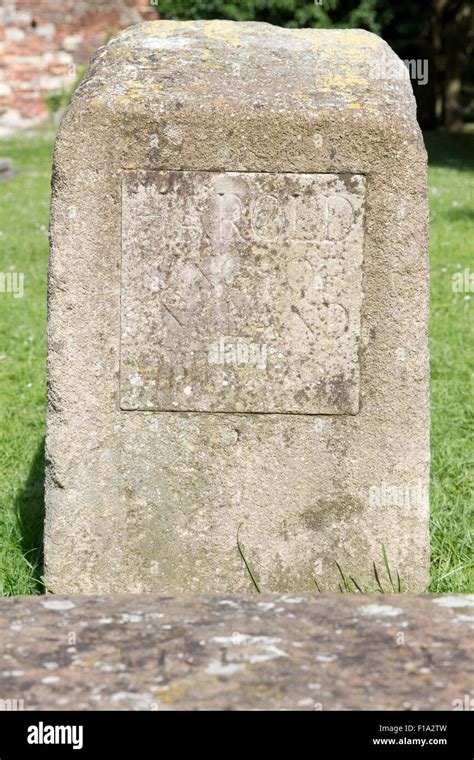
x: 365, y: 14
x: 440, y: 31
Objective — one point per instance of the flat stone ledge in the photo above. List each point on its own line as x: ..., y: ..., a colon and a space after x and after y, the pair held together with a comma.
x: 262, y: 652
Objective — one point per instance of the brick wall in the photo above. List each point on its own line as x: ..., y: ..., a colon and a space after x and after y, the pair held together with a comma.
x: 42, y: 40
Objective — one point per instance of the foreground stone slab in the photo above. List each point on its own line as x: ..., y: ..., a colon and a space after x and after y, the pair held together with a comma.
x: 238, y: 315
x: 341, y: 652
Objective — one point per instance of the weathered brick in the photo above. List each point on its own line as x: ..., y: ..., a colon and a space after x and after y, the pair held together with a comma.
x: 38, y: 39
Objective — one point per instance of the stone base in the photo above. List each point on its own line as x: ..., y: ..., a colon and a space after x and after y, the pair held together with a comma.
x: 341, y: 652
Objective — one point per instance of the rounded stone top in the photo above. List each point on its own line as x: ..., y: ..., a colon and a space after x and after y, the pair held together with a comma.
x: 215, y: 63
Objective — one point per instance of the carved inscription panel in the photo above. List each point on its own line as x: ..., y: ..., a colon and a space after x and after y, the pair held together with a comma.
x: 241, y: 292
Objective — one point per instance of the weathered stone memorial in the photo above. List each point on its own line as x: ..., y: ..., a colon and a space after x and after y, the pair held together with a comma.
x: 238, y: 315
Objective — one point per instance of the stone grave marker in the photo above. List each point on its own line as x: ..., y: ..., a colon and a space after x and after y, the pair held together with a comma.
x: 238, y: 315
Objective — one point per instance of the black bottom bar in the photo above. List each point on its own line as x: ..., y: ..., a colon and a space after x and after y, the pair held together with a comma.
x: 154, y: 734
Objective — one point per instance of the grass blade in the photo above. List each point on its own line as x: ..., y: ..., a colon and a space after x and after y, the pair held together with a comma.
x: 387, y: 566
x: 356, y: 584
x: 381, y: 588
x: 247, y: 564
x: 399, y: 583
x: 344, y: 579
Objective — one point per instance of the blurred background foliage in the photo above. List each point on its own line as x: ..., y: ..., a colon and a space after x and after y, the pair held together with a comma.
x: 439, y: 31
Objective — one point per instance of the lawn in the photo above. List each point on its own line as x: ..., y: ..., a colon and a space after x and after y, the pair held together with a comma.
x: 451, y: 180
x: 24, y: 249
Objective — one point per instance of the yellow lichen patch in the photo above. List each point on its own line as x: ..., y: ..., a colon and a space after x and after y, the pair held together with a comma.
x: 134, y: 91
x: 341, y: 48
x: 161, y: 27
x: 343, y: 81
x: 128, y: 96
x: 359, y: 37
x: 84, y: 663
x: 302, y: 95
x: 338, y: 38
x: 224, y: 31
x: 171, y: 694
x: 97, y: 101
x: 263, y: 691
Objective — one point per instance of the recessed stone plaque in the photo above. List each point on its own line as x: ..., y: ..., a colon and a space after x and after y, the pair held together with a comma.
x: 241, y: 292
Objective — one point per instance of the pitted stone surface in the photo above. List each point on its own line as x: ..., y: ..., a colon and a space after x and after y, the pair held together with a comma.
x: 270, y: 652
x: 153, y: 462
x: 252, y: 303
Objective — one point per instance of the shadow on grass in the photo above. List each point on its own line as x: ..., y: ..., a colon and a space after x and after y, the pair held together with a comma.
x: 460, y: 214
x: 29, y: 507
x: 450, y: 151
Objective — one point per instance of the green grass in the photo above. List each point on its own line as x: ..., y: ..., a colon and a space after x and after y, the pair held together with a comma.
x: 451, y: 178
x: 24, y: 208
x: 24, y: 203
